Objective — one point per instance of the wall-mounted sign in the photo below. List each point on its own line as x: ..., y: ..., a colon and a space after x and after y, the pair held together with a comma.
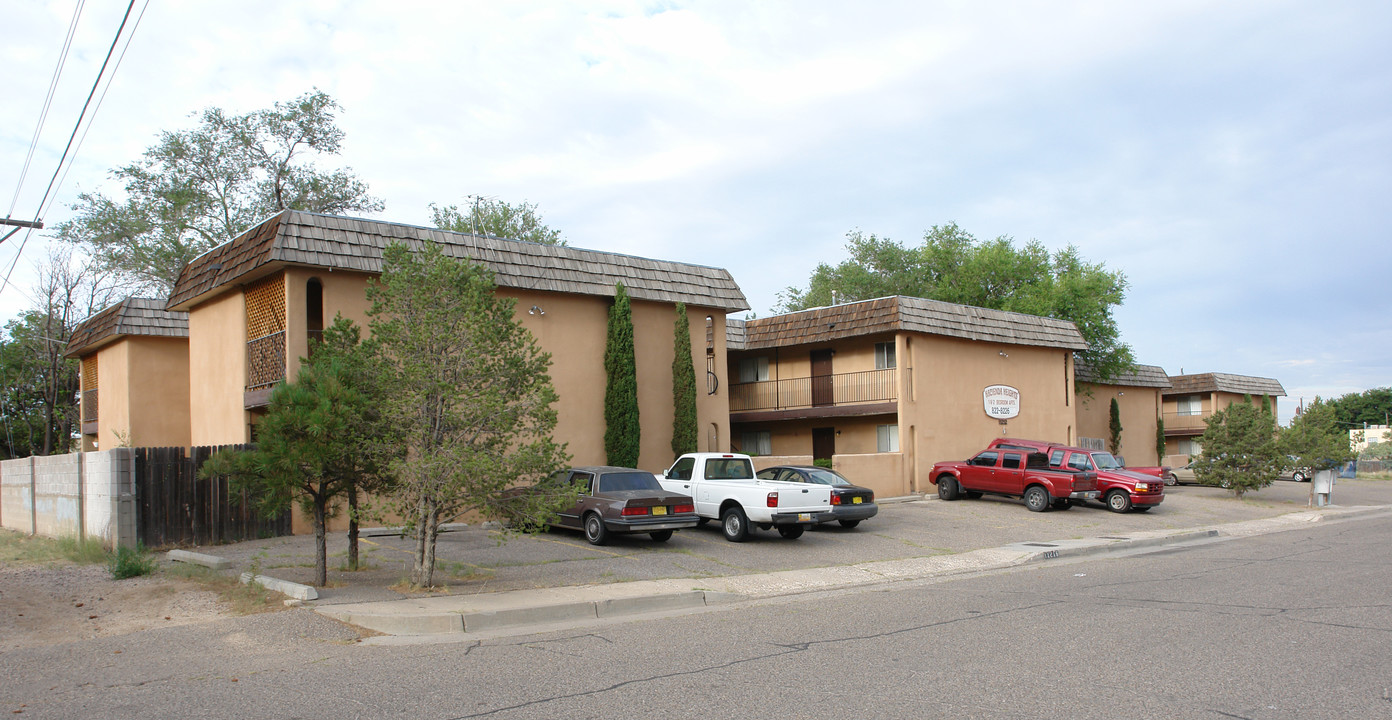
x: 1001, y: 401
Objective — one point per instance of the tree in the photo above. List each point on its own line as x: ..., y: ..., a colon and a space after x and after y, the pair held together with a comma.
x: 1315, y: 439
x: 953, y: 266
x: 622, y: 432
x: 1160, y: 439
x: 196, y: 189
x: 489, y: 216
x: 469, y: 391
x: 321, y: 439
x: 1114, y: 426
x: 1239, y: 449
x: 40, y: 383
x: 684, y: 425
x: 1371, y: 407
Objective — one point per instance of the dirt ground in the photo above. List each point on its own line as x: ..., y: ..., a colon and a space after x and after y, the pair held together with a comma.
x: 57, y: 603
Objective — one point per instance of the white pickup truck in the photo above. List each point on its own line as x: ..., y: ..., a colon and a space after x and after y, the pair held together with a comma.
x: 724, y: 488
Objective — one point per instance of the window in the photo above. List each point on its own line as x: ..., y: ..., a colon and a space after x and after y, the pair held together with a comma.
x: 1056, y: 458
x: 756, y: 443
x: 1191, y: 405
x: 1011, y: 460
x: 1189, y: 447
x: 887, y: 438
x: 682, y: 469
x: 884, y: 356
x: 986, y: 459
x: 753, y: 369
x: 1079, y: 461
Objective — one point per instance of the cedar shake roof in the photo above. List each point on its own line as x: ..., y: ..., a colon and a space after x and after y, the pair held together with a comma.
x: 1141, y: 376
x: 1223, y: 382
x: 292, y: 237
x: 132, y: 316
x: 900, y: 313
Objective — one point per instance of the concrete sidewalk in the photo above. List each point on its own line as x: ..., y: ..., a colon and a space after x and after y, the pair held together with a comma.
x: 481, y: 612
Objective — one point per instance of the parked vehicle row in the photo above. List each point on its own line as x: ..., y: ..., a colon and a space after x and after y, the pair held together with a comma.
x: 700, y: 487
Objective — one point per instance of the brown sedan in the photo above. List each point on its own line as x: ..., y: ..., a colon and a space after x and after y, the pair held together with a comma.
x: 622, y: 500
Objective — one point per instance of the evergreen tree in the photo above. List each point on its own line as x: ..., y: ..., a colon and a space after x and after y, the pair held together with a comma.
x: 1114, y: 425
x: 684, y: 426
x: 1239, y: 449
x: 621, y: 428
x: 1160, y: 440
x: 1315, y: 439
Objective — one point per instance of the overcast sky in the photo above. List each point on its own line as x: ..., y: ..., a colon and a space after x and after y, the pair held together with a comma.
x: 1231, y: 158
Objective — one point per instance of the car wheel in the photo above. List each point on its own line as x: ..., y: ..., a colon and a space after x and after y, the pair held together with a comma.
x: 973, y: 494
x: 734, y: 524
x: 595, y: 531
x: 947, y: 488
x: 660, y: 535
x: 1063, y: 504
x: 1299, y: 476
x: 1170, y: 479
x: 1036, y: 499
x: 849, y: 523
x: 1118, y: 501
x: 791, y: 532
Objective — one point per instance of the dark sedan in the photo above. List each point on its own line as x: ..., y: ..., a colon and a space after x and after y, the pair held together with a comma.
x: 849, y: 503
x: 622, y: 500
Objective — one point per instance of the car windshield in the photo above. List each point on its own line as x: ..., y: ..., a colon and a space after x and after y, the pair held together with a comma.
x: 827, y: 477
x: 1105, y: 461
x: 615, y: 482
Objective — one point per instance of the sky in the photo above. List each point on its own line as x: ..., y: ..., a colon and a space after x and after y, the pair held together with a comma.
x: 1232, y: 159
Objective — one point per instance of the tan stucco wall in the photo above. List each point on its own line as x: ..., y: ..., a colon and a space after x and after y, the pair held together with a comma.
x: 344, y: 293
x: 159, y: 392
x: 1139, y: 408
x: 217, y: 371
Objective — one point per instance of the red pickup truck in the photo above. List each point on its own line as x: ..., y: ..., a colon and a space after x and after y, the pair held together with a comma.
x: 1120, y: 489
x: 1014, y: 473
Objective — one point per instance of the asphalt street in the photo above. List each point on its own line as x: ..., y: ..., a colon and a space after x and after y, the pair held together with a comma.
x: 1285, y: 625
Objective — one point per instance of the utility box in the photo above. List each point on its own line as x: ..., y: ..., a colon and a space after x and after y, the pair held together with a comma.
x: 1322, y: 486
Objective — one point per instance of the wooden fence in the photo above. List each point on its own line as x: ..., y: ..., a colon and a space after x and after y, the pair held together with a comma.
x: 174, y: 507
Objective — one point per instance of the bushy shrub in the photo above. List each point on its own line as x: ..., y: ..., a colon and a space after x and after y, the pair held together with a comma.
x: 126, y: 562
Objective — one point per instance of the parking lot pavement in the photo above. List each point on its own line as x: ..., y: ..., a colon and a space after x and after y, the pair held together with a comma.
x: 473, y: 560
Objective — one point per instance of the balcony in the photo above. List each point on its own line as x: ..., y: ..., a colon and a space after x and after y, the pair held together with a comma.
x: 872, y: 392
x: 265, y: 368
x: 1179, y: 424
x: 89, y: 412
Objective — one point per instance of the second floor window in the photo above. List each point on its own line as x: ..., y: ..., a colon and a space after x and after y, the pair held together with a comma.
x: 884, y: 356
x: 1191, y: 405
x: 753, y: 369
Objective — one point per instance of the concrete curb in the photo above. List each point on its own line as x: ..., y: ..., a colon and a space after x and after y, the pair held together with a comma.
x: 285, y: 587
x: 208, y: 561
x: 442, y: 615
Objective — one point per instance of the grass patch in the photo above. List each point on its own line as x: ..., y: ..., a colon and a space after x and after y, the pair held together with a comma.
x: 128, y: 562
x: 1375, y: 476
x: 240, y: 599
x: 17, y: 547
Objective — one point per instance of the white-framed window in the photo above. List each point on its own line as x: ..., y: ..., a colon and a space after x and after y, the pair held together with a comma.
x: 753, y: 369
x: 884, y: 356
x: 756, y: 443
x: 1190, y: 405
x: 887, y: 438
x: 1189, y: 447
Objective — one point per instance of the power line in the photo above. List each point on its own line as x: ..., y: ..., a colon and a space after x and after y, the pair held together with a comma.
x: 48, y: 103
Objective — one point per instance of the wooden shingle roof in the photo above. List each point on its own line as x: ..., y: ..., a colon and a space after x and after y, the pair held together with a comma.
x: 132, y: 316
x: 907, y: 314
x: 299, y: 238
x: 1142, y: 376
x: 1224, y: 382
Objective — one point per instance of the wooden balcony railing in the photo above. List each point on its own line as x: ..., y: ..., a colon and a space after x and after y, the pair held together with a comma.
x: 265, y: 361
x: 823, y: 390
x: 1186, y: 423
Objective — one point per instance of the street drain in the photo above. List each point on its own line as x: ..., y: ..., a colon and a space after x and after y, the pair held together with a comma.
x: 1039, y: 544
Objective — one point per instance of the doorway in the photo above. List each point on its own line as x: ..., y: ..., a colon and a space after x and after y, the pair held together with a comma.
x: 823, y: 443
x: 821, y: 378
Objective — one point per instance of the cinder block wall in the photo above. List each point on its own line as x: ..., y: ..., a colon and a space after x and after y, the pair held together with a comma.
x: 73, y: 495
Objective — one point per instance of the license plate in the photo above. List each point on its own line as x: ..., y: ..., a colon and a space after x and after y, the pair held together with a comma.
x: 659, y: 510
x: 804, y: 517
x: 855, y: 501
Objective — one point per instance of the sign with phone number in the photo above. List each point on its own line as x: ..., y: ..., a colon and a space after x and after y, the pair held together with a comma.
x: 1001, y: 401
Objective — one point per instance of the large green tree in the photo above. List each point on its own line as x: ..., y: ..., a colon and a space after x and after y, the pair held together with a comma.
x: 469, y: 391
x: 1372, y: 407
x: 322, y: 439
x: 490, y: 216
x: 954, y: 266
x: 1315, y: 439
x: 1239, y: 449
x: 684, y: 426
x: 198, y: 188
x: 622, y: 431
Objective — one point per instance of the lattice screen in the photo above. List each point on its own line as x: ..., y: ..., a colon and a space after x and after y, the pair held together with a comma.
x: 265, y: 306
x: 89, y: 372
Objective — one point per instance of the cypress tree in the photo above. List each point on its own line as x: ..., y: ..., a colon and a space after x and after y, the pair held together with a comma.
x: 621, y: 428
x: 1160, y: 440
x: 683, y: 387
x: 1115, y: 426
